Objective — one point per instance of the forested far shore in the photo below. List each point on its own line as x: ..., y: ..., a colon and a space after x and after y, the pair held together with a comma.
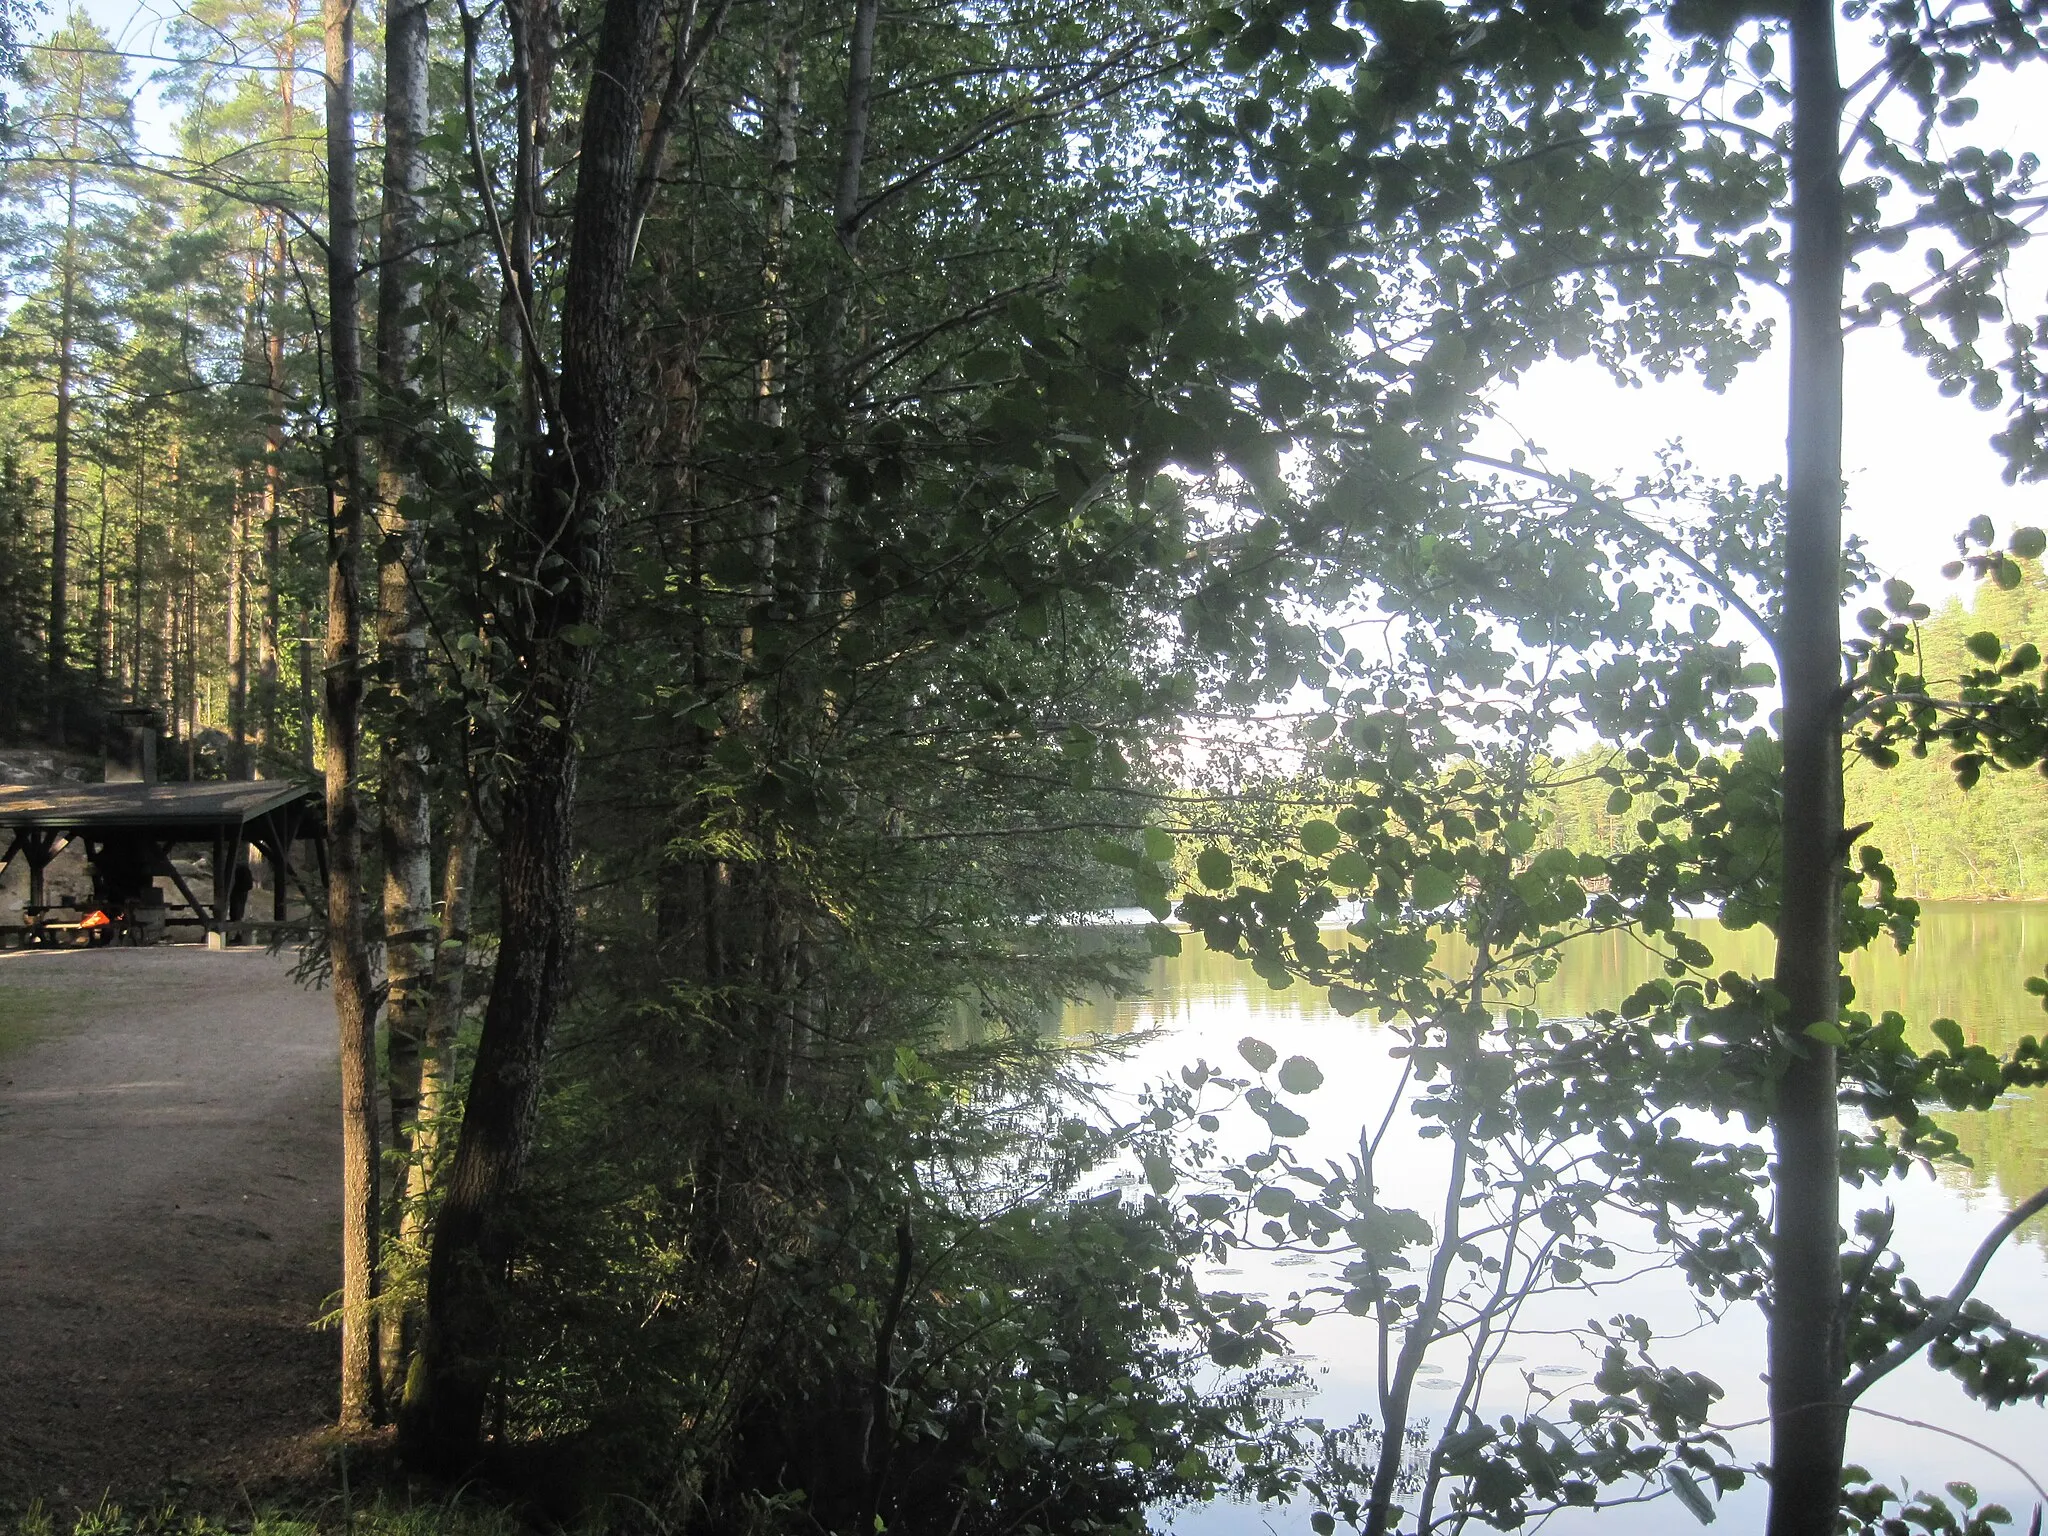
x: 1944, y: 842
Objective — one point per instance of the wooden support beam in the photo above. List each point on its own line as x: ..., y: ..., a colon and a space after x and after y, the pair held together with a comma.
x: 41, y: 846
x: 223, y: 872
x: 163, y: 858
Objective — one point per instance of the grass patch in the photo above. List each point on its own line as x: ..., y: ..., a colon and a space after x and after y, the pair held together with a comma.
x: 28, y: 1014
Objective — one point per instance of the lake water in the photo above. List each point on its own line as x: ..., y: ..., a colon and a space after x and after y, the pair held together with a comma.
x: 1969, y: 964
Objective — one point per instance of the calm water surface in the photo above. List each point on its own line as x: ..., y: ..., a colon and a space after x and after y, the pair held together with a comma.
x: 1969, y: 964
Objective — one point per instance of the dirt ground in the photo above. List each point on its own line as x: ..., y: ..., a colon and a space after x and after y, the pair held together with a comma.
x: 169, y: 1170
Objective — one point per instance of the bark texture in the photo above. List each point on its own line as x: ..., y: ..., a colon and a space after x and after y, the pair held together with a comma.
x: 566, y: 516
x: 347, y: 947
x: 60, y: 455
x: 828, y: 407
x: 404, y: 822
x: 1808, y: 1417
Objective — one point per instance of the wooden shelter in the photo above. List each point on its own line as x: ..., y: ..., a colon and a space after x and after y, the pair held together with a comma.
x: 128, y: 832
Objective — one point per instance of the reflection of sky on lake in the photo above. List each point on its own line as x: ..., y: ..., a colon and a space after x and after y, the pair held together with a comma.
x: 1969, y: 965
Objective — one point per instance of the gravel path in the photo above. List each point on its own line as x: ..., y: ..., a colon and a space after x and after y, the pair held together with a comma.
x: 169, y: 1166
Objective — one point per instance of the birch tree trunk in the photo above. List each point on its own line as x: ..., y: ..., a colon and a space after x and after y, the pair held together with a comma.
x: 443, y: 1019
x: 404, y: 821
x: 347, y: 946
x: 451, y: 971
x: 1808, y: 1416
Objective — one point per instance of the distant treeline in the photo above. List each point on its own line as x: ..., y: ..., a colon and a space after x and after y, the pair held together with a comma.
x: 1945, y: 843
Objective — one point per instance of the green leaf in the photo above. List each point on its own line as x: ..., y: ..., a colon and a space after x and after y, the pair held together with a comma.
x: 1319, y: 837
x: 1690, y: 1494
x: 1150, y: 889
x: 1300, y: 1075
x: 1950, y: 1034
x: 1349, y: 868
x: 1432, y: 887
x: 2027, y: 543
x: 1160, y: 1173
x: 1162, y: 940
x: 1112, y: 852
x: 1827, y: 1034
x: 1273, y: 1200
x: 1465, y: 1442
x: 581, y: 634
x: 1284, y: 1122
x: 1983, y: 645
x: 1258, y: 1053
x: 1158, y: 845
x: 1321, y: 1523
x: 1619, y: 801
x: 1213, y: 868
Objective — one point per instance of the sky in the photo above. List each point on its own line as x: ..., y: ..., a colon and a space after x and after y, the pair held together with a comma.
x: 1918, y: 466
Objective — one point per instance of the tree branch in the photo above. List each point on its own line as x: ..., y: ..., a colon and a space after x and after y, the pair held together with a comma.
x: 1939, y: 1320
x: 1676, y: 551
x: 692, y: 40
x: 507, y: 272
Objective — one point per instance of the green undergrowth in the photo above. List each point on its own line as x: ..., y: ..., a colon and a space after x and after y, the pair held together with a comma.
x: 380, y: 1516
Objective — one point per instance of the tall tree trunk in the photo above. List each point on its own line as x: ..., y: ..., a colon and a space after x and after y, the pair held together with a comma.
x: 60, y: 469
x: 567, y: 515
x: 275, y: 300
x: 404, y: 821
x: 1808, y: 1418
x: 140, y: 688
x: 347, y: 945
x: 828, y: 393
x: 451, y: 955
x: 444, y: 1016
x: 104, y: 661
x: 238, y: 631
x: 248, y: 498
x: 273, y: 486
x: 517, y: 425
x: 770, y: 384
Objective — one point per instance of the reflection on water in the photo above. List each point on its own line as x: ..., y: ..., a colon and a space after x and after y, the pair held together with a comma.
x: 1969, y: 964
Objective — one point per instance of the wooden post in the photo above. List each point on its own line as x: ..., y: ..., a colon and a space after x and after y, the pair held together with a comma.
x: 223, y: 875
x: 39, y: 846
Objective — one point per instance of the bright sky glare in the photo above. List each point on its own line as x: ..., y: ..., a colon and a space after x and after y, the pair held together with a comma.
x: 1918, y: 466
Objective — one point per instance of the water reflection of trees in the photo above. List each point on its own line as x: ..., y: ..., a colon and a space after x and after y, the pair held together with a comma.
x: 1969, y: 964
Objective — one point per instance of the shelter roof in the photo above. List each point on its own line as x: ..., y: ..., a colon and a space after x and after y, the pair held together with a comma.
x: 78, y: 808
